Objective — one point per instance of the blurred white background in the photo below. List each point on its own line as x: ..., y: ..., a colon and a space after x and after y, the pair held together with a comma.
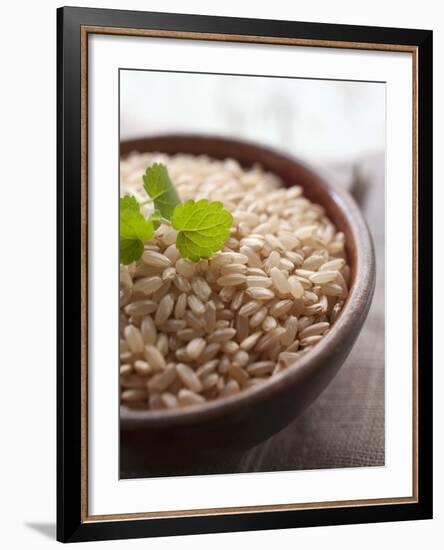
x: 320, y: 121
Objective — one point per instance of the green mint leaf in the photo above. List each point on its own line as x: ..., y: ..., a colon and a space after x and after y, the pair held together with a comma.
x: 202, y: 227
x: 160, y: 188
x: 134, y: 231
x: 128, y: 202
x: 156, y: 218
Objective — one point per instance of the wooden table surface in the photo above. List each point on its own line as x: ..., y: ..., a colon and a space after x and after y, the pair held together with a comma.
x: 344, y: 427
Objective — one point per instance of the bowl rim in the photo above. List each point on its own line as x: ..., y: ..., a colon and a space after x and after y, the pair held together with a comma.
x: 358, y: 300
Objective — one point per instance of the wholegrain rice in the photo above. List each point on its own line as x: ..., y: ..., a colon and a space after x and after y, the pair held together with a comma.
x: 125, y: 369
x: 162, y: 344
x: 210, y: 351
x: 233, y: 279
x: 281, y: 308
x: 269, y: 323
x: 185, y: 267
x: 155, y: 259
x: 241, y: 358
x: 168, y: 274
x: 260, y: 293
x: 230, y: 347
x: 227, y: 293
x: 169, y: 400
x: 141, y: 307
x: 134, y: 339
x: 250, y: 341
x: 296, y: 287
x: 260, y: 368
x: 238, y: 298
x: 210, y: 316
x: 154, y: 357
x: 242, y: 328
x: 133, y: 381
x: 253, y: 258
x: 172, y: 254
x: 314, y: 329
x: 173, y: 325
x: 182, y: 284
x: 333, y: 265
x: 233, y: 268
x: 231, y: 388
x: 125, y: 357
x: 210, y: 381
x: 291, y: 327
x: 222, y: 335
x: 147, y: 285
x: 258, y: 317
x: 323, y: 277
x: 207, y: 368
x: 201, y: 288
x: 181, y: 306
x: 133, y: 395
x: 250, y: 308
x: 237, y: 373
x: 195, y: 305
x: 258, y: 281
x: 310, y: 340
x: 197, y: 331
x: 195, y: 347
x: 280, y: 281
x: 288, y: 357
x: 189, y: 377
x: 194, y: 321
x: 187, y: 398
x: 142, y: 368
x: 160, y: 382
x: 286, y: 265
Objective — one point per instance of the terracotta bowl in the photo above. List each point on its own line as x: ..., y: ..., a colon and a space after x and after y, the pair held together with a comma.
x: 242, y: 421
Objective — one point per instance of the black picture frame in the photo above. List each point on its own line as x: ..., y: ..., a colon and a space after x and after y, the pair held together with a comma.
x: 71, y: 523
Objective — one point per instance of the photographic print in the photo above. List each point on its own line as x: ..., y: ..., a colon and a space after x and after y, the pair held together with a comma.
x: 246, y: 266
x: 244, y: 274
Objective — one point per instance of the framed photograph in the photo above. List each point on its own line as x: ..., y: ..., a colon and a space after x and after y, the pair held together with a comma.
x: 244, y: 274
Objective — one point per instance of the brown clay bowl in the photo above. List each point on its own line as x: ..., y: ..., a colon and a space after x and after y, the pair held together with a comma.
x: 244, y: 420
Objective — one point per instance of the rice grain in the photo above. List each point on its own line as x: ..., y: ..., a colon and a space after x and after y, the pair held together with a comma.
x: 187, y: 398
x: 195, y: 347
x: 189, y: 377
x: 155, y: 259
x: 134, y: 339
x: 164, y: 309
x: 154, y: 357
x: 259, y: 293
